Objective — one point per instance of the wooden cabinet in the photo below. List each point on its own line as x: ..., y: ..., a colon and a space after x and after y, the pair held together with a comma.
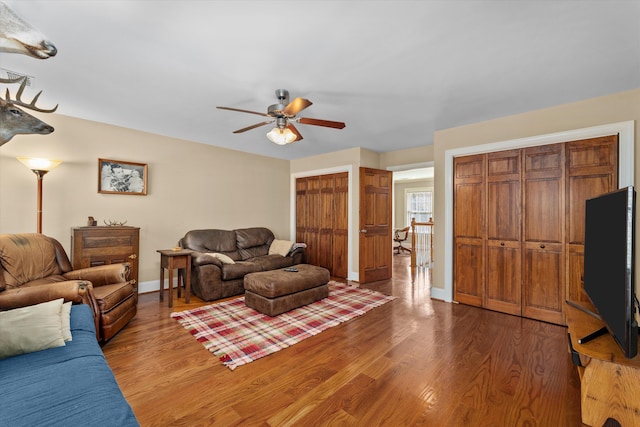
x: 94, y: 246
x: 322, y: 220
x: 519, y: 224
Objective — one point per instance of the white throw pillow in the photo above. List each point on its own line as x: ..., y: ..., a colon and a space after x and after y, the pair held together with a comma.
x: 280, y: 247
x: 222, y: 257
x: 65, y: 321
x: 33, y: 328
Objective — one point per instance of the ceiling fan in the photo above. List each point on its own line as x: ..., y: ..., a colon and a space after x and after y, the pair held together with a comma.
x: 284, y: 114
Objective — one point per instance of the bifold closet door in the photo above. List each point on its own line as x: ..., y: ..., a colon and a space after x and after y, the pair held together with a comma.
x: 592, y: 170
x: 469, y: 229
x: 322, y: 218
x: 543, y: 233
x: 503, y: 244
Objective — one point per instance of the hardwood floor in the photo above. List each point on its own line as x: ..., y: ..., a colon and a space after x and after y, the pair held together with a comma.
x: 412, y: 361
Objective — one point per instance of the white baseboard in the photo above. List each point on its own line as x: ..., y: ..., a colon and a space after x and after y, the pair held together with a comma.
x: 153, y: 286
x: 441, y: 294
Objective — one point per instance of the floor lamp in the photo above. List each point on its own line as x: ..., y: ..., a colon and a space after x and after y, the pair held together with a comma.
x: 40, y: 167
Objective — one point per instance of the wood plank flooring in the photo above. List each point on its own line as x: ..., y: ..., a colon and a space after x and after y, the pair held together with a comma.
x: 412, y: 362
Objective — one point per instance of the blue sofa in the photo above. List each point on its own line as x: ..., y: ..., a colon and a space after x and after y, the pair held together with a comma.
x: 64, y: 386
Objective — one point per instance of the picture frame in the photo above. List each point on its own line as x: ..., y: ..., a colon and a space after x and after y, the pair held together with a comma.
x: 122, y: 177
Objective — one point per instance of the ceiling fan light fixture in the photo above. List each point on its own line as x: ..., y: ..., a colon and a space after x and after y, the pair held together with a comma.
x: 281, y: 136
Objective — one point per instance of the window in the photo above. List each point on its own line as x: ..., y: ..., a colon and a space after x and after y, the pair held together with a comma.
x: 418, y: 204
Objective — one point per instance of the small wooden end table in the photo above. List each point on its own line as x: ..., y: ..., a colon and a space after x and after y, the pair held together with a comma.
x: 175, y: 259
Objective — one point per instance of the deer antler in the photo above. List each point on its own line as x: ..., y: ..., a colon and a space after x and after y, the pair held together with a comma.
x: 114, y: 223
x: 16, y: 80
x: 19, y: 102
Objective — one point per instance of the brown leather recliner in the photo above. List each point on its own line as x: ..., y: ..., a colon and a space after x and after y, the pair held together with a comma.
x: 35, y: 268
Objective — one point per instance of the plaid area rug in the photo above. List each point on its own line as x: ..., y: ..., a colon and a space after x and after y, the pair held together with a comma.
x: 237, y: 334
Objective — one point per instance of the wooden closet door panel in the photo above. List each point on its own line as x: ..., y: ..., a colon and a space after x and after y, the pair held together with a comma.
x: 543, y: 290
x: 341, y: 225
x: 325, y: 222
x: 469, y: 195
x: 544, y: 215
x: 469, y: 229
x: 503, y: 208
x: 469, y: 271
x: 503, y: 251
x: 301, y: 209
x: 592, y: 170
x: 504, y: 278
x: 543, y: 233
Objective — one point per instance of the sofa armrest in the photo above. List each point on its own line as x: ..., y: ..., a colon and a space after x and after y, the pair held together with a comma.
x: 298, y: 255
x: 203, y: 258
x: 76, y: 291
x: 101, y: 275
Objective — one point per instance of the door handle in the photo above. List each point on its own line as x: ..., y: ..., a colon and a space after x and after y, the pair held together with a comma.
x: 364, y: 230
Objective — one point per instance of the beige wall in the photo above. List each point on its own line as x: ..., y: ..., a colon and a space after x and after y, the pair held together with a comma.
x: 615, y: 108
x: 407, y: 157
x: 190, y: 186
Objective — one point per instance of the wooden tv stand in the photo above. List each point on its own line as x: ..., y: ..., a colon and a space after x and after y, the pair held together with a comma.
x: 608, y: 380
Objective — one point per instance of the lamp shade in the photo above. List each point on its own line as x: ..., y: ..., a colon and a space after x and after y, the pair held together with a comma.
x: 281, y: 136
x: 39, y: 164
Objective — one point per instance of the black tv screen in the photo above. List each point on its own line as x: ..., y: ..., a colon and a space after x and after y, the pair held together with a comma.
x: 609, y: 248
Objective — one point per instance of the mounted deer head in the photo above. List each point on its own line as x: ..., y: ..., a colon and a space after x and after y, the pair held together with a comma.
x: 15, y: 121
x: 16, y: 36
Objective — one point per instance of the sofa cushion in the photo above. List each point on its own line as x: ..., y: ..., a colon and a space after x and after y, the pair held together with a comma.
x: 272, y: 262
x: 210, y: 241
x: 222, y: 257
x: 238, y: 270
x: 32, y: 328
x: 27, y: 257
x: 109, y: 296
x: 251, y: 237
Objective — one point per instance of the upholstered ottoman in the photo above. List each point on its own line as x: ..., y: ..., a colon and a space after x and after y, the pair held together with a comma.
x: 278, y: 291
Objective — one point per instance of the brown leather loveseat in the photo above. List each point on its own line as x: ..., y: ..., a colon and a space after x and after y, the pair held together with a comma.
x: 222, y: 258
x: 35, y: 268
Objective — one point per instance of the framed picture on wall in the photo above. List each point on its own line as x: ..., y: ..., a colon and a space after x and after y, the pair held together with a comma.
x: 122, y: 177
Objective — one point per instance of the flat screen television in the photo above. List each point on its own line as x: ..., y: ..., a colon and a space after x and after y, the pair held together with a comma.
x: 609, y: 249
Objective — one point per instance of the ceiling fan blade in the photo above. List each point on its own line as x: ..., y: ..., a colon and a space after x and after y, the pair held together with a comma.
x: 244, y: 111
x: 293, y: 129
x: 296, y: 106
x: 318, y: 122
x: 252, y: 127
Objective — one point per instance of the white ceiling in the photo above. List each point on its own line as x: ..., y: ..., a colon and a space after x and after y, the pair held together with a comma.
x: 393, y: 71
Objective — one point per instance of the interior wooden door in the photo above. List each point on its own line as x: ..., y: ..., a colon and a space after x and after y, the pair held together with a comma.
x: 592, y: 170
x: 543, y: 233
x: 469, y: 229
x: 375, y: 225
x: 503, y: 244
